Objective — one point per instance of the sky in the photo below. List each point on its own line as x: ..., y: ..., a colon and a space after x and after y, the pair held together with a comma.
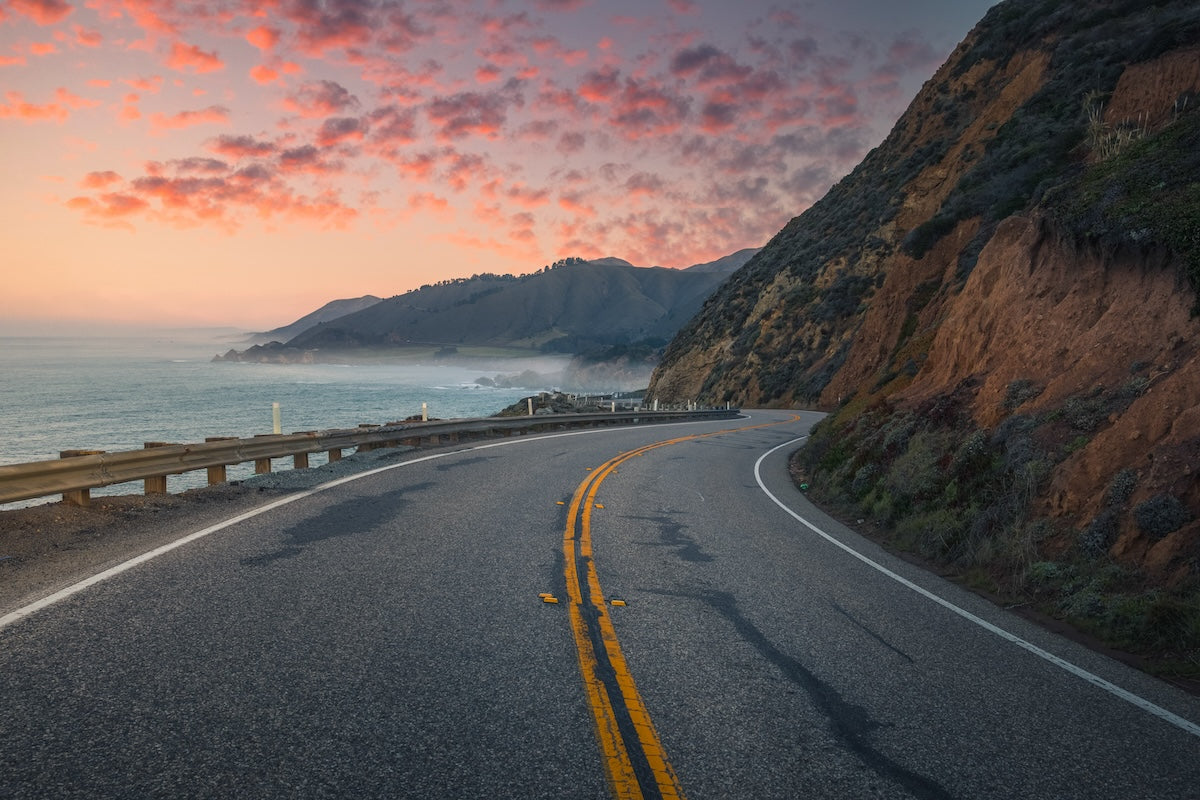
x: 170, y: 162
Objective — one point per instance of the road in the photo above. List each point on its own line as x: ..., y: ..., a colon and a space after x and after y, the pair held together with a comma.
x: 396, y: 636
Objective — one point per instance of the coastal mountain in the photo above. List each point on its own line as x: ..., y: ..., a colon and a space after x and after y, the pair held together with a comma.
x: 998, y: 307
x: 326, y: 313
x: 568, y: 308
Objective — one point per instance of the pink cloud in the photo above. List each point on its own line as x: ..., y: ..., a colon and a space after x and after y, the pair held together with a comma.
x: 426, y: 201
x: 551, y: 47
x: 708, y: 65
x: 190, y: 58
x: 17, y: 107
x: 337, y: 130
x: 264, y: 75
x: 43, y: 12
x: 12, y: 61
x: 109, y: 206
x: 488, y: 73
x: 644, y: 109
x: 320, y: 99
x: 339, y: 24
x: 574, y: 203
x: 152, y: 84
x: 468, y: 113
x: 99, y: 180
x: 87, y: 38
x: 263, y: 38
x: 418, y: 167
x: 392, y: 127
x: 129, y: 108
x: 600, y: 85
x: 200, y: 164
x: 644, y: 184
x: 241, y: 147
x: 213, y: 115
x: 465, y: 169
x: 308, y: 160
x: 571, y: 143
x: 42, y: 48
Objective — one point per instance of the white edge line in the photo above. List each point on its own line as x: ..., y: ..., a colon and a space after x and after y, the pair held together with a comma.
x: 1075, y: 670
x: 124, y: 566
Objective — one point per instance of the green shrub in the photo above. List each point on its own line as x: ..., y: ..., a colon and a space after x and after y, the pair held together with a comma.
x: 1161, y: 515
x: 1019, y: 392
x: 1121, y: 488
x: 1099, y: 534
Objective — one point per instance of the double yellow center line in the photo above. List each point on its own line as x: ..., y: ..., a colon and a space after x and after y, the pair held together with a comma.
x: 622, y: 722
x: 635, y: 762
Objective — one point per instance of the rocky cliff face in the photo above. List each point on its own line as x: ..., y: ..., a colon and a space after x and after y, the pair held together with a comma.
x: 996, y: 305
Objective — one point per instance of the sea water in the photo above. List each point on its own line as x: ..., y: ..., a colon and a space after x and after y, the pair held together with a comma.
x: 117, y: 393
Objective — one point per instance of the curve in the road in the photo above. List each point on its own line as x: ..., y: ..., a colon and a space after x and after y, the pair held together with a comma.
x: 1073, y: 669
x: 634, y: 758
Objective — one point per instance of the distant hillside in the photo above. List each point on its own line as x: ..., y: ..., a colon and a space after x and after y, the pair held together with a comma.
x: 326, y: 313
x: 728, y: 264
x: 998, y: 307
x: 572, y: 307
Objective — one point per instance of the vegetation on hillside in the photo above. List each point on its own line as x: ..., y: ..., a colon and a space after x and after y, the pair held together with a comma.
x: 932, y: 483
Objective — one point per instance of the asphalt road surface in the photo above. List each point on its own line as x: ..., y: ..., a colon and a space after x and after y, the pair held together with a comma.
x: 714, y: 636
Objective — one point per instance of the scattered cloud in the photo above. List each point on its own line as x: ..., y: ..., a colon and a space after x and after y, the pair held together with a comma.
x: 15, y: 106
x: 213, y: 115
x: 43, y: 12
x: 190, y: 58
x: 320, y: 99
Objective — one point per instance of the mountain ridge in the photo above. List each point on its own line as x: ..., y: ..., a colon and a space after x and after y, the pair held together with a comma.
x: 571, y: 307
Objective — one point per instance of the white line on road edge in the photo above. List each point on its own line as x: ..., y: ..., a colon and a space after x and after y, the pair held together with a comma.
x: 1077, y: 671
x: 75, y: 588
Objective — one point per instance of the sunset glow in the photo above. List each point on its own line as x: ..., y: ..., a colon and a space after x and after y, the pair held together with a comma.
x: 236, y: 163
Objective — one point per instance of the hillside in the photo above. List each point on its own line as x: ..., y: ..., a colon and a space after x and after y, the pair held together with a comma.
x: 572, y: 307
x: 997, y: 305
x: 326, y: 313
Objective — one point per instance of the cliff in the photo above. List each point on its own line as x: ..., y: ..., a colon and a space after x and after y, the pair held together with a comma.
x: 997, y: 307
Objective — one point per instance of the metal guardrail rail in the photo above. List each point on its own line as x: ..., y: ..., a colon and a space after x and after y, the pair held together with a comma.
x: 79, y: 471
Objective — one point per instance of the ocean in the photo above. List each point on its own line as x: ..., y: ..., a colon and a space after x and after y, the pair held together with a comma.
x: 116, y: 393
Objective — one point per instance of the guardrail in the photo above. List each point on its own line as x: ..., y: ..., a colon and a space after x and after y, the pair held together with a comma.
x: 77, y: 472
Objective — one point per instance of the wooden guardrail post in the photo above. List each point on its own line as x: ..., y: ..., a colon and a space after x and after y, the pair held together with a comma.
x: 262, y: 465
x: 158, y: 483
x: 78, y: 497
x: 300, y: 460
x: 217, y: 474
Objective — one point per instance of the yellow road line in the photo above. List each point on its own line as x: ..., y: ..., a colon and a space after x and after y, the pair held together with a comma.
x: 607, y: 711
